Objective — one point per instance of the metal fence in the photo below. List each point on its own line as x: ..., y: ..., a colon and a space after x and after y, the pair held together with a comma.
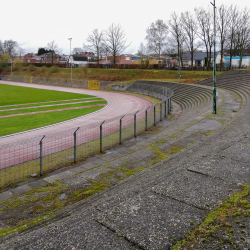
x: 64, y: 82
x: 42, y: 154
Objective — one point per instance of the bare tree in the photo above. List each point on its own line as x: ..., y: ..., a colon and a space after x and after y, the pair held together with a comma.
x: 233, y: 28
x: 157, y: 37
x: 243, y: 34
x: 96, y: 43
x: 205, y: 31
x: 77, y: 51
x: 1, y: 48
x: 190, y: 34
x: 223, y: 20
x: 115, y: 41
x: 143, y: 50
x: 177, y: 35
x: 20, y: 51
x: 54, y: 51
x: 10, y: 47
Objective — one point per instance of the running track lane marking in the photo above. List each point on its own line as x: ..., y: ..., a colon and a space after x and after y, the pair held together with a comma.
x: 55, y: 110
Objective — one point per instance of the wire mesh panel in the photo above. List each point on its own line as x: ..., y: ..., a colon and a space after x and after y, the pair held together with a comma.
x: 88, y: 142
x: 110, y: 133
x: 127, y: 127
x: 19, y: 160
x: 57, y: 150
x: 140, y: 125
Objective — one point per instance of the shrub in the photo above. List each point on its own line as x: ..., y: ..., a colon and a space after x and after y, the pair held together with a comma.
x: 44, y: 69
x: 53, y: 69
x: 17, y: 66
x: 31, y: 68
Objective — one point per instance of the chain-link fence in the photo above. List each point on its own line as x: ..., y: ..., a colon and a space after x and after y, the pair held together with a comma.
x: 64, y: 82
x: 42, y: 154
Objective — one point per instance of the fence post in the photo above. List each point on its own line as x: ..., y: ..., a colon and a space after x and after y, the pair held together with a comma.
x: 165, y: 108
x: 41, y: 155
x: 75, y: 145
x: 101, y: 136
x: 120, y: 141
x: 146, y: 119
x: 161, y: 112
x: 135, y: 122
x: 170, y: 104
x: 154, y: 114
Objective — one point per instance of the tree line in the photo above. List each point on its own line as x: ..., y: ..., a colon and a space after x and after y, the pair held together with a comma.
x: 192, y: 30
x: 110, y: 42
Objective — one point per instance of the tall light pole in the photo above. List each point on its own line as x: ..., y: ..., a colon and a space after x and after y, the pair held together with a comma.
x: 179, y: 63
x: 214, y: 88
x: 70, y: 59
x: 11, y: 66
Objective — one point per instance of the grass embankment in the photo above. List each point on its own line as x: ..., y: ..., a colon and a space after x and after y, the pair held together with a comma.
x: 15, y: 95
x: 116, y: 74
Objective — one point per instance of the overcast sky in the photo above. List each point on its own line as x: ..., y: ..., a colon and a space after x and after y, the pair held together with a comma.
x: 34, y: 23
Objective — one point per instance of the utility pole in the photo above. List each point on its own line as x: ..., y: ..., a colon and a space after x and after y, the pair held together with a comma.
x: 70, y: 58
x: 214, y: 88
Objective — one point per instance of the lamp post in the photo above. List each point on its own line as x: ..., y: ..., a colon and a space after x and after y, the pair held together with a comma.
x: 70, y: 59
x: 214, y: 88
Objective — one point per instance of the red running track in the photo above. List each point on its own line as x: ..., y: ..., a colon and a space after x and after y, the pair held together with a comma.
x: 118, y: 105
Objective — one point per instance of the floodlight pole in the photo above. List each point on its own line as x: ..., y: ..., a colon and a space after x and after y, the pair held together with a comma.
x: 11, y: 66
x: 70, y: 59
x: 214, y: 88
x: 179, y: 64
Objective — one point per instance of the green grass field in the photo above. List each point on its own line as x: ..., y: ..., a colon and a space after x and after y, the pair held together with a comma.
x: 30, y: 97
x: 18, y: 95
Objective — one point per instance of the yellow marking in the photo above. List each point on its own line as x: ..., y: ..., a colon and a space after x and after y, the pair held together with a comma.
x: 93, y: 84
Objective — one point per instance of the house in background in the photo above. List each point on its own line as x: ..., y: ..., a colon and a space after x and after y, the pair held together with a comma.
x: 37, y: 59
x: 28, y: 57
x: 63, y: 59
x: 123, y: 59
x: 199, y: 59
x: 236, y: 61
x: 78, y: 60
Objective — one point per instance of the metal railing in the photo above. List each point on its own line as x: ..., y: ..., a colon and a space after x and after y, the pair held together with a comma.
x: 42, y: 154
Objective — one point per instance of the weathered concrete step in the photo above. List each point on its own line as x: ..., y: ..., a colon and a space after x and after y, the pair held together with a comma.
x: 197, y: 190
x: 149, y: 220
x: 80, y: 233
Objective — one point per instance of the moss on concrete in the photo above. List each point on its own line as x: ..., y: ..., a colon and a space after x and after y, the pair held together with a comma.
x: 234, y: 207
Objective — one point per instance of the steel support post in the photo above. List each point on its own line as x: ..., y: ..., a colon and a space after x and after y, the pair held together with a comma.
x: 75, y: 145
x: 165, y: 108
x: 120, y: 140
x: 161, y: 112
x: 146, y: 119
x: 101, y: 136
x: 135, y: 123
x: 154, y: 114
x: 41, y: 155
